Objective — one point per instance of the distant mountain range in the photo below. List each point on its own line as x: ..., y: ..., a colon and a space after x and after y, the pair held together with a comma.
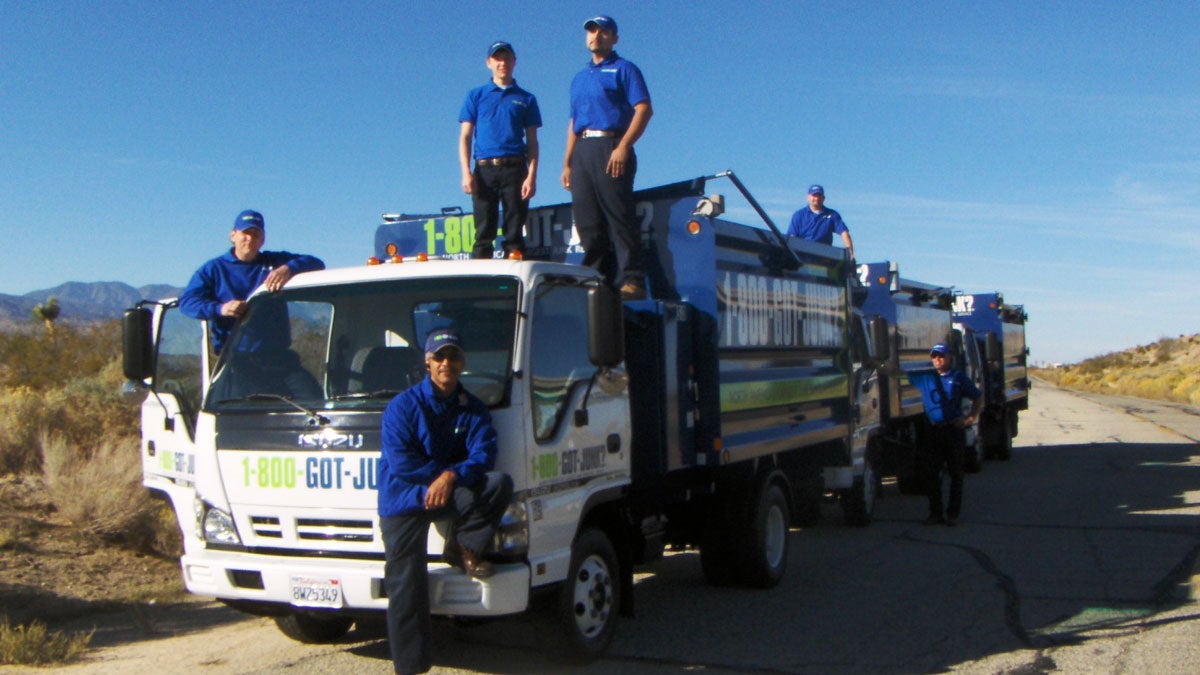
x: 81, y: 302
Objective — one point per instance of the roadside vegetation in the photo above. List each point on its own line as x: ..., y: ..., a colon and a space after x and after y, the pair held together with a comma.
x: 1166, y: 370
x: 70, y: 477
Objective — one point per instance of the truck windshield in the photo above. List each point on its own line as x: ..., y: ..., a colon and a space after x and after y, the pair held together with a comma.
x: 355, y: 346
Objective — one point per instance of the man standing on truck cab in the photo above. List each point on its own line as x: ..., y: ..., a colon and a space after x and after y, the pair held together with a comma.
x: 438, y: 454
x: 943, y: 391
x: 218, y: 290
x: 502, y: 119
x: 610, y: 108
x: 817, y: 223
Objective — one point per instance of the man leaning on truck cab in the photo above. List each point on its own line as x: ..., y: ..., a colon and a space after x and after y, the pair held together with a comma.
x: 437, y: 461
x: 218, y: 290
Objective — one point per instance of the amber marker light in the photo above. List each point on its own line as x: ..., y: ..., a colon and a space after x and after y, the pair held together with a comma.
x: 373, y: 260
x: 693, y: 227
x: 515, y: 255
x: 391, y: 249
x: 422, y: 257
x: 882, y: 280
x: 397, y: 258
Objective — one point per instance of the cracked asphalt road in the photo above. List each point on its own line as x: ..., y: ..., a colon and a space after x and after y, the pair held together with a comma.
x: 1075, y: 556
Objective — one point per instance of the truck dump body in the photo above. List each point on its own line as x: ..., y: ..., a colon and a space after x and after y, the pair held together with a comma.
x: 747, y: 336
x: 986, y: 314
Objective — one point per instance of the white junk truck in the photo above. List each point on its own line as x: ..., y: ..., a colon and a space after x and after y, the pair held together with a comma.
x: 712, y: 415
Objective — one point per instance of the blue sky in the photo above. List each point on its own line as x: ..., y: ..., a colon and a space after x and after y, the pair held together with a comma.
x: 1048, y: 150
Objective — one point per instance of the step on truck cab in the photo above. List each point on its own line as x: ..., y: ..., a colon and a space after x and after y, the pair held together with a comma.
x: 709, y: 416
x: 998, y: 332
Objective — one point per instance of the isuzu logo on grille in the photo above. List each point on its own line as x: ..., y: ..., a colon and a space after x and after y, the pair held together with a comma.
x: 329, y: 438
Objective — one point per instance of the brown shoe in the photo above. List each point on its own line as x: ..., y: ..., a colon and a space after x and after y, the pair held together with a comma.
x: 633, y: 291
x: 462, y: 558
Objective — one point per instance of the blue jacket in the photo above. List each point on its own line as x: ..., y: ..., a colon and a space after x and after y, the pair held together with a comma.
x: 423, y: 435
x: 226, y: 278
x: 955, y: 385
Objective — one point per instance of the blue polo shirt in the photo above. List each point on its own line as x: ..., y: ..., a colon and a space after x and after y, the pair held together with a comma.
x: 819, y: 226
x: 603, y: 94
x: 955, y: 386
x: 226, y: 278
x: 500, y: 115
x: 423, y: 435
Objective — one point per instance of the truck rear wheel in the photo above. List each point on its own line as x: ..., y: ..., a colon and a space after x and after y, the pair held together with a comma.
x: 973, y: 460
x: 590, y: 597
x: 998, y: 438
x: 311, y: 628
x: 768, y: 534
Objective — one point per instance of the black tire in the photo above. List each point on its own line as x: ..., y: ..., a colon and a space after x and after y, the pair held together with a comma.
x: 1004, y: 447
x: 590, y: 598
x: 858, y: 503
x: 312, y: 628
x: 766, y: 556
x: 973, y: 456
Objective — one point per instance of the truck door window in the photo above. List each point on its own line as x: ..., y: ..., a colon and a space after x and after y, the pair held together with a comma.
x: 558, y: 355
x: 178, y: 371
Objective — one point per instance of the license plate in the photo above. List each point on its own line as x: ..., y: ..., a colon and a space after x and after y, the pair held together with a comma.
x: 316, y: 592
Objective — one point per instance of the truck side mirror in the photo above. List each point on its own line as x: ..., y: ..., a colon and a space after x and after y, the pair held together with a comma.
x: 138, y: 356
x: 606, y: 327
x: 880, y: 350
x: 991, y: 349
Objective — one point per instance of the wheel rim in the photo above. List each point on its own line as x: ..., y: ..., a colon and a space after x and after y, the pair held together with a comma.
x: 593, y: 597
x: 775, y: 537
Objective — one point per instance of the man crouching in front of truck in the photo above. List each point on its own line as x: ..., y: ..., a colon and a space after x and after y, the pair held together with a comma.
x: 438, y: 455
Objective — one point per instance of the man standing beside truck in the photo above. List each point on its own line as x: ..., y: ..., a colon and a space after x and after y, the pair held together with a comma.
x: 502, y: 120
x: 819, y: 224
x: 438, y: 452
x: 943, y: 391
x: 218, y: 290
x: 610, y: 108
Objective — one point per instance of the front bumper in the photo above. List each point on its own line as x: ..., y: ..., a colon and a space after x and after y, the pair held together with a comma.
x: 268, y: 579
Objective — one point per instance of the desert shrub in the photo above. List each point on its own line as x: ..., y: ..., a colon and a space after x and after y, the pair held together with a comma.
x: 34, y: 645
x: 82, y: 412
x: 98, y: 489
x: 36, y: 361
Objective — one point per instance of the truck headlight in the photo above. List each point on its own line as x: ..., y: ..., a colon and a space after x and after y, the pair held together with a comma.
x: 512, y: 537
x: 214, y: 525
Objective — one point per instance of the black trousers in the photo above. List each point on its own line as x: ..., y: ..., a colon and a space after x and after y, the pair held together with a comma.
x: 603, y: 209
x: 497, y: 186
x: 946, y: 448
x: 475, y: 512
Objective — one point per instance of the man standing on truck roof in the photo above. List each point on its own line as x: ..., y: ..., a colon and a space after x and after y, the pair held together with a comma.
x: 610, y: 108
x: 817, y: 223
x: 218, y: 290
x: 943, y: 391
x: 502, y: 119
x: 438, y: 454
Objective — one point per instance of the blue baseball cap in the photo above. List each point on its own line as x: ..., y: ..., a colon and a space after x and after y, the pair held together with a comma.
x: 248, y: 219
x: 499, y: 47
x: 816, y: 190
x: 440, y: 339
x: 939, y: 348
x: 604, y: 22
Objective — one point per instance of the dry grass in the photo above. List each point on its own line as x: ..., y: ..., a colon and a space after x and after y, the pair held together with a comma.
x: 1166, y: 370
x: 35, y: 645
x: 99, y: 490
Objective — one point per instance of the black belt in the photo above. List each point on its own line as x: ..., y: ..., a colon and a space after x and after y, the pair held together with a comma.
x: 601, y: 133
x: 501, y: 161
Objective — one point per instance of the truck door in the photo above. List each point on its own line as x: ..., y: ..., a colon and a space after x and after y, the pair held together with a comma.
x: 169, y: 411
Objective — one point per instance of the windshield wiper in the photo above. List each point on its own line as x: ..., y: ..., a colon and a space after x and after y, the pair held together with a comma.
x: 314, y: 417
x: 381, y: 393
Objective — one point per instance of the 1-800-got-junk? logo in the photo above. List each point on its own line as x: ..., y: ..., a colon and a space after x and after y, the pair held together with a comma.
x: 329, y: 438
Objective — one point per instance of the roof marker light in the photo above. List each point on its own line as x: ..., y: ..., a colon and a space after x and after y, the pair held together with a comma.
x: 374, y: 261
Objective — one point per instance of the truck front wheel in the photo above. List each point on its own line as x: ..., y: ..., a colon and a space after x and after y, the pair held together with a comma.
x: 311, y: 628
x: 590, y: 597
x: 858, y: 503
x: 767, y: 555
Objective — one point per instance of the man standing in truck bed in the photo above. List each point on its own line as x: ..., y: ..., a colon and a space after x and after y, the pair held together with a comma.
x: 502, y: 119
x: 817, y: 223
x: 610, y: 108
